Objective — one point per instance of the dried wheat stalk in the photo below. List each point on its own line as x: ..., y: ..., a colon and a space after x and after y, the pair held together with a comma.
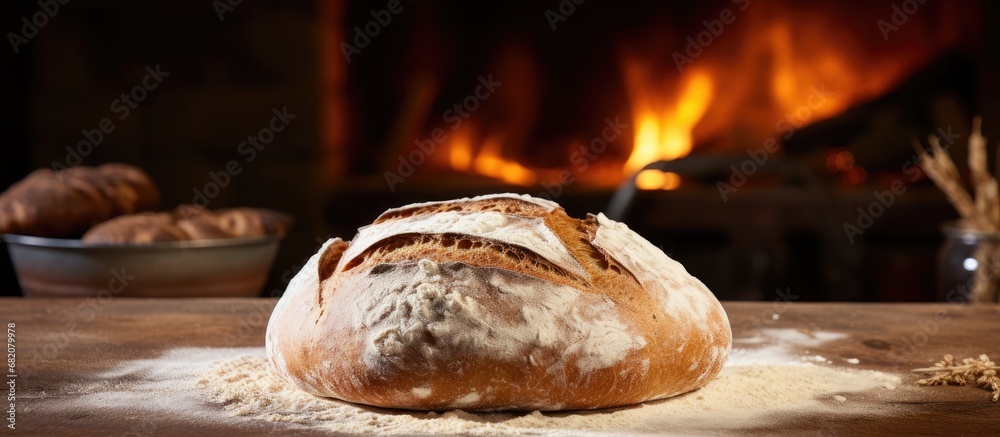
x: 981, y: 372
x: 993, y: 210
x: 977, y: 163
x: 940, y: 169
x: 982, y: 213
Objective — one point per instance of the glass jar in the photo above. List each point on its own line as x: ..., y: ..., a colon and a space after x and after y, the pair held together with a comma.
x: 968, y: 264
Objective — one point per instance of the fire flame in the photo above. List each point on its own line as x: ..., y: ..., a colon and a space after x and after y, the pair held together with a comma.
x: 665, y: 128
x: 730, y: 99
x: 788, y: 69
x: 487, y: 160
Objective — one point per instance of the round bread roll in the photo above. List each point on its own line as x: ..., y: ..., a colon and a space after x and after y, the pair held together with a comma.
x: 499, y: 302
x: 66, y: 203
x: 187, y: 223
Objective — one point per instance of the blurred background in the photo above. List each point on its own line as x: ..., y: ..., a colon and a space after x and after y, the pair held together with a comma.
x: 780, y: 125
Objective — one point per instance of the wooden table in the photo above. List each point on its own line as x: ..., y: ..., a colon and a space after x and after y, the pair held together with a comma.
x: 63, y: 345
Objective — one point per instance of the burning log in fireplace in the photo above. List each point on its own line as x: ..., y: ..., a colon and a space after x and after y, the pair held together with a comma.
x: 771, y: 71
x: 811, y: 91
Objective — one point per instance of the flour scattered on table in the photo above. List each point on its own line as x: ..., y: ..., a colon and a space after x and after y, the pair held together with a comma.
x: 156, y: 393
x: 763, y: 384
x: 759, y: 386
x: 818, y: 358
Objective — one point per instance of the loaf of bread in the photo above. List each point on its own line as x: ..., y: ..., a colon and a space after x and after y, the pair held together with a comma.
x: 190, y: 223
x: 67, y: 203
x: 499, y: 302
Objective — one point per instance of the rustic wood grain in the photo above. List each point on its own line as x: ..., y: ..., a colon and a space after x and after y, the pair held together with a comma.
x: 62, y: 342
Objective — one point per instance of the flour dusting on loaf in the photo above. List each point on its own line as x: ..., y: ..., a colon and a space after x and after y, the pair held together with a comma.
x: 496, y: 302
x: 678, y: 291
x: 432, y: 309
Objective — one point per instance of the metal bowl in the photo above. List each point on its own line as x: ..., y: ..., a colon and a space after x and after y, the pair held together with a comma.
x: 52, y: 267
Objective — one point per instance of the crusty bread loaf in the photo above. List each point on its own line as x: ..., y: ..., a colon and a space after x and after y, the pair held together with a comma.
x: 493, y: 303
x: 190, y: 223
x: 67, y: 203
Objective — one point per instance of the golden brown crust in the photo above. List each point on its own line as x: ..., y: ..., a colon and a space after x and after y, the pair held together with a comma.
x: 137, y: 229
x: 199, y: 227
x: 496, y: 204
x: 68, y: 202
x: 474, y: 316
x: 189, y: 223
x: 253, y: 222
x: 130, y: 178
x: 603, y: 272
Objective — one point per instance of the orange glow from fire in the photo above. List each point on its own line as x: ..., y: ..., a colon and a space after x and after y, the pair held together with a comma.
x: 489, y: 162
x: 487, y: 159
x: 803, y: 57
x: 786, y: 69
x: 460, y: 151
x: 664, y: 130
x: 783, y: 65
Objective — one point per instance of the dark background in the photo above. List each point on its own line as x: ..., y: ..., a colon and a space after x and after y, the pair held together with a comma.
x: 354, y: 119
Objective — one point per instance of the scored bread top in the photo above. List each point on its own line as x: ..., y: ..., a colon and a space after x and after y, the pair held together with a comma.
x: 496, y: 302
x: 518, y: 233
